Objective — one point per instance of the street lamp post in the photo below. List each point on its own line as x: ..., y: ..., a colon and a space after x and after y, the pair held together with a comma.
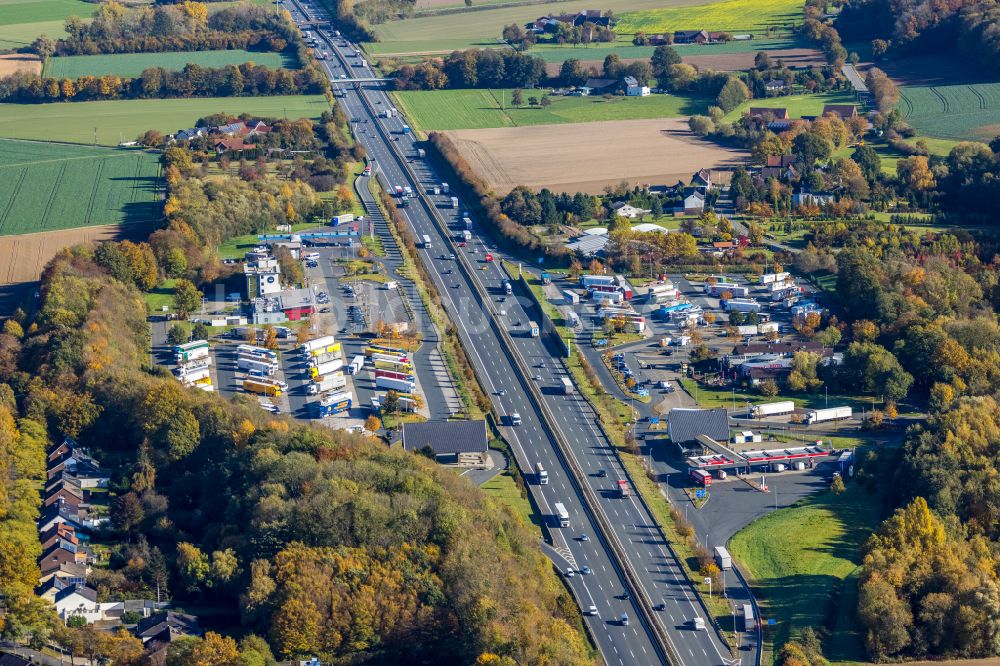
x: 708, y: 579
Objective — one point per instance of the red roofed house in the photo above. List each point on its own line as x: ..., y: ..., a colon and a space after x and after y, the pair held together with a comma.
x: 225, y: 145
x: 763, y: 112
x: 842, y: 111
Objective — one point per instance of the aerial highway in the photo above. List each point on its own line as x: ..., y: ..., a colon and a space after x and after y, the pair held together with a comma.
x: 646, y: 552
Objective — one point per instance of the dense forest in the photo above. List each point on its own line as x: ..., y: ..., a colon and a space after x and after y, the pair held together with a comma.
x: 320, y: 541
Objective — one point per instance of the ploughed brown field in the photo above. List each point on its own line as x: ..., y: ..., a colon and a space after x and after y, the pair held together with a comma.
x: 586, y: 157
x: 12, y: 63
x: 23, y: 257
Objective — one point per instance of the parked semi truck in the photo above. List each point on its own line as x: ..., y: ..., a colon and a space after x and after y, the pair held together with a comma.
x: 311, y: 347
x: 191, y: 351
x: 357, y: 363
x: 325, y: 357
x: 331, y: 382
x: 394, y: 384
x: 567, y: 385
x: 742, y: 305
x: 772, y: 408
x: 325, y: 369
x: 831, y: 414
x: 332, y: 404
x: 256, y: 366
x: 262, y: 386
x: 253, y: 350
x: 543, y: 476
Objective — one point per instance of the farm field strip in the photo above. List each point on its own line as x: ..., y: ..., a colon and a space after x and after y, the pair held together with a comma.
x: 43, y: 10
x: 75, y: 122
x: 963, y: 111
x: 90, y: 186
x: 731, y: 15
x: 132, y: 64
x: 444, y: 33
x: 480, y: 108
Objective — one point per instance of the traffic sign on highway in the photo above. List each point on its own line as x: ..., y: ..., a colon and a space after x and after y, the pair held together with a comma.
x: 654, y: 419
x: 700, y: 493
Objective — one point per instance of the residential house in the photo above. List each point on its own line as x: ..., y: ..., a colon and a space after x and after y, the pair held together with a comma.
x: 747, y: 352
x: 190, y: 134
x: 633, y: 89
x: 453, y: 442
x: 775, y: 86
x: 622, y: 209
x: 722, y: 246
x: 59, y: 513
x: 757, y: 374
x: 781, y: 167
x: 72, y: 573
x: 71, y: 457
x: 592, y: 16
x: 694, y: 203
x: 660, y: 40
x: 255, y: 128
x: 719, y: 37
x: 115, y: 610
x: 65, y: 492
x: 8, y: 659
x: 232, y: 129
x: 842, y: 111
x: 600, y: 86
x: 57, y: 533
x: 690, y: 37
x: 58, y: 555
x: 767, y: 113
x: 702, y: 179
x: 51, y: 587
x: 78, y: 601
x: 803, y: 198
x: 779, y: 126
x: 227, y: 145
x: 166, y: 626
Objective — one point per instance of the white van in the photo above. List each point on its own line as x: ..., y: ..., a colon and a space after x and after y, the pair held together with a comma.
x: 698, y: 623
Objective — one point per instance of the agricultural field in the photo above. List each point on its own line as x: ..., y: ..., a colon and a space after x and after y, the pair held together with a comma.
x: 21, y: 21
x: 803, y: 563
x: 76, y: 122
x: 132, y: 64
x: 959, y: 112
x: 482, y: 108
x: 481, y: 29
x: 11, y: 63
x: 753, y: 16
x: 797, y: 105
x: 48, y: 186
x: 511, y: 156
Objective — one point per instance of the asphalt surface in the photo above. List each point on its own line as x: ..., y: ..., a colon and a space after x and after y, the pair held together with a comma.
x: 618, y: 643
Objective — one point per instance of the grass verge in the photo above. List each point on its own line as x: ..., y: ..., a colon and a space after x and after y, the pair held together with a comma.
x: 803, y: 562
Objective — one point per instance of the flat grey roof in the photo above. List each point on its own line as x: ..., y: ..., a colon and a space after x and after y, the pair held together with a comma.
x: 686, y: 424
x: 445, y: 437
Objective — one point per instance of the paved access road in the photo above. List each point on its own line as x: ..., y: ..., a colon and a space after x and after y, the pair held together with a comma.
x: 628, y: 644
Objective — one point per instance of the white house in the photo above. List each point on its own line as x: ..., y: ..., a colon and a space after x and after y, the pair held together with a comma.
x: 803, y: 198
x: 623, y: 209
x: 633, y: 89
x: 694, y: 203
x: 78, y: 601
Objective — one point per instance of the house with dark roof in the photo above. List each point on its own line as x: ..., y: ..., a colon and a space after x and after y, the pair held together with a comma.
x: 78, y: 601
x: 165, y: 626
x: 685, y: 424
x: 775, y: 86
x: 690, y: 37
x: 452, y: 442
x: 57, y: 533
x: 702, y: 179
x: 59, y: 513
x: 600, y: 86
x: 50, y: 588
x: 842, y: 111
x: 592, y: 16
x: 72, y: 573
x: 7, y: 659
x: 226, y: 145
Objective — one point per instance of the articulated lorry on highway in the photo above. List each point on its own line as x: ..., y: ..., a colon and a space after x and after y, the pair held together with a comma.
x: 831, y: 414
x: 543, y: 476
x: 567, y: 385
x: 623, y: 489
x: 772, y: 408
x: 562, y: 515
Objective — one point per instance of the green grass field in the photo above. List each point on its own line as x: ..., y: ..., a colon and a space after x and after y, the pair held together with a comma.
x: 731, y: 15
x: 803, y: 563
x: 47, y: 186
x: 479, y: 108
x: 21, y: 21
x: 132, y: 64
x: 441, y: 34
x: 503, y: 488
x: 75, y: 122
x: 959, y: 112
x: 797, y: 105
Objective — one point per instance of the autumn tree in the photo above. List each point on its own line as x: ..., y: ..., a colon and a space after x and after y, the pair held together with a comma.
x: 187, y: 297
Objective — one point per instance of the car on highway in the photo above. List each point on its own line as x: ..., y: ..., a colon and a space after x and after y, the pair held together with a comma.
x: 538, y: 378
x: 660, y: 607
x: 570, y: 573
x: 623, y: 620
x: 601, y: 473
x: 584, y: 537
x: 591, y: 610
x: 502, y: 392
x: 585, y: 571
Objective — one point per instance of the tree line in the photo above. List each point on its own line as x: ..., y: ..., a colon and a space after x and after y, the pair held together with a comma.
x: 473, y: 68
x: 247, y: 79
